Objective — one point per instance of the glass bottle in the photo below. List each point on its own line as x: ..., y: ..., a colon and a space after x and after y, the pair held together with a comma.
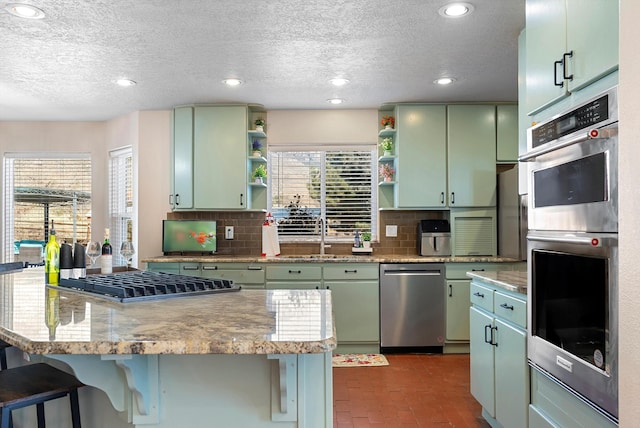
x: 52, y: 259
x: 106, y: 259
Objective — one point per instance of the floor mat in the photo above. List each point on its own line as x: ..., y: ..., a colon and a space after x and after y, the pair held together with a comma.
x: 359, y: 360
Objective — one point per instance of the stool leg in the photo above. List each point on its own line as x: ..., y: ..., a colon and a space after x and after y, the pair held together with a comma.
x: 5, y: 422
x: 41, y: 421
x: 3, y: 359
x: 75, y: 408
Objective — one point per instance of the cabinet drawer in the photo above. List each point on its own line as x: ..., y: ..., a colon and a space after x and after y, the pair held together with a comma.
x: 481, y: 297
x: 294, y: 272
x: 459, y: 270
x: 255, y: 275
x: 510, y: 308
x: 349, y: 271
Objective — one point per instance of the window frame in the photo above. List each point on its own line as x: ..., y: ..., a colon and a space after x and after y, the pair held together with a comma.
x: 324, y: 148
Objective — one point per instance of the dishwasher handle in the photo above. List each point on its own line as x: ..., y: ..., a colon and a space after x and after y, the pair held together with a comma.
x: 413, y: 272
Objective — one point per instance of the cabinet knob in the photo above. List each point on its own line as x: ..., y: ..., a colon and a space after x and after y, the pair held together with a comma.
x: 565, y: 60
x: 555, y: 74
x: 295, y: 271
x: 478, y: 294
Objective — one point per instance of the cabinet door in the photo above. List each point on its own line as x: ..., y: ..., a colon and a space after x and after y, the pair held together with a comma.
x: 482, y: 360
x: 512, y: 375
x: 421, y: 150
x: 592, y: 35
x: 471, y: 152
x: 458, y: 303
x: 220, y: 156
x: 182, y: 184
x: 546, y: 43
x: 507, y: 133
x: 356, y: 310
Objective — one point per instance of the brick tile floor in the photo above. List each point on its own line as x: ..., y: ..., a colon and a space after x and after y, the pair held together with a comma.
x: 414, y: 390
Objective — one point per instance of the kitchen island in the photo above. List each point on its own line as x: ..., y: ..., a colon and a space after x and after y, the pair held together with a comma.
x: 258, y: 358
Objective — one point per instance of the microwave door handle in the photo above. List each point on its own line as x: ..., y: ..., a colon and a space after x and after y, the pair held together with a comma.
x: 592, y: 134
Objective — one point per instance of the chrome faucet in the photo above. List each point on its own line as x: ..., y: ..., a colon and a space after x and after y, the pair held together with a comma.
x: 320, y: 227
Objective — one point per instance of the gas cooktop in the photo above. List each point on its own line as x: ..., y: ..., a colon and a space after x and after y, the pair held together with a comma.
x: 142, y: 285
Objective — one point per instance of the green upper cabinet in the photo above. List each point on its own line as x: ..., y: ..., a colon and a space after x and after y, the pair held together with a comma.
x: 422, y: 156
x: 182, y: 156
x: 220, y: 157
x: 569, y: 44
x: 471, y: 149
x: 507, y: 133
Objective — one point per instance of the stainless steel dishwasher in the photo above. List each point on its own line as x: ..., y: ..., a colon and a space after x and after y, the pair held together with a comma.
x: 412, y: 313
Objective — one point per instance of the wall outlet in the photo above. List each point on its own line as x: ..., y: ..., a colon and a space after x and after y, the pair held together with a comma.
x: 391, y: 231
x: 228, y: 232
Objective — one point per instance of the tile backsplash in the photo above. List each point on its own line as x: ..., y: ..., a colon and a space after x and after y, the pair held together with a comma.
x: 248, y: 232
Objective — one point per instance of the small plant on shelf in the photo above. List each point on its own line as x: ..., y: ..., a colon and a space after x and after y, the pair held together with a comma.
x: 366, y: 239
x: 259, y: 174
x: 386, y: 172
x: 388, y: 122
x: 387, y: 146
x: 256, y: 145
x: 259, y: 124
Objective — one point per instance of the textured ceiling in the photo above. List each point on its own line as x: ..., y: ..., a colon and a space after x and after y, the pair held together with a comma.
x: 63, y: 67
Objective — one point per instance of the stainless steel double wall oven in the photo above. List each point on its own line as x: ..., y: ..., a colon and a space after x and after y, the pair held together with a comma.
x: 573, y: 250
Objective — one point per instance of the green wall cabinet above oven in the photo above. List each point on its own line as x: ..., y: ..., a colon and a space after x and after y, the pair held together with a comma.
x: 577, y: 38
x: 209, y: 158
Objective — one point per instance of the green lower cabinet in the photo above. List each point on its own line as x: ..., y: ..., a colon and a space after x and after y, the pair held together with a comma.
x: 498, y: 355
x: 457, y: 310
x: 294, y: 285
x: 356, y: 314
x: 554, y: 406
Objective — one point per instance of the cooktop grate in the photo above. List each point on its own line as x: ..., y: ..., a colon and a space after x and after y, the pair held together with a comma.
x: 143, y: 285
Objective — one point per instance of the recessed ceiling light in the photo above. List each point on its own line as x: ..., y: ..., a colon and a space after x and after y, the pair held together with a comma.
x: 25, y: 11
x: 444, y: 81
x: 335, y: 101
x: 125, y: 82
x: 339, y: 81
x: 232, y: 82
x: 456, y: 10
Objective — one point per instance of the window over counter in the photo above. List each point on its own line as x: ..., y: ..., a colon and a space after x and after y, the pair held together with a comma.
x: 40, y: 188
x: 121, y: 203
x: 335, y: 184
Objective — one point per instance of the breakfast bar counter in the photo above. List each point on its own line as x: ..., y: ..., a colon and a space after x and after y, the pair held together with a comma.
x: 246, y: 358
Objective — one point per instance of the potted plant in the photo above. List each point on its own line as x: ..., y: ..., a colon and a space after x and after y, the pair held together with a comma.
x: 387, y: 146
x: 259, y: 174
x: 386, y: 172
x: 259, y: 125
x: 388, y: 122
x: 366, y: 239
x: 256, y: 145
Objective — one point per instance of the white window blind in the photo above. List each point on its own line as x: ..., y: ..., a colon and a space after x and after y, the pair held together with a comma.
x: 39, y: 189
x: 336, y: 185
x: 120, y: 201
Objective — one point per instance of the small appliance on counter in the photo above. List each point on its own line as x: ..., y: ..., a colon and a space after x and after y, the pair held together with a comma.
x: 434, y: 238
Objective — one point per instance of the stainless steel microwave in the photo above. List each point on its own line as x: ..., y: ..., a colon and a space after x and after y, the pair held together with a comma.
x: 573, y: 182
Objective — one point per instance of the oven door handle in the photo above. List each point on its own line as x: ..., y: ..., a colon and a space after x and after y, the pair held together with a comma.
x: 592, y: 134
x: 592, y: 240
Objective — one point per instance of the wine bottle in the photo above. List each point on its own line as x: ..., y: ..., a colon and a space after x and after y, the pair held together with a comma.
x: 52, y: 259
x: 106, y: 259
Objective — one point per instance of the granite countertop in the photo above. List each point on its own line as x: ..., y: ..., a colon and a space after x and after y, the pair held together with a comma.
x: 327, y: 258
x: 510, y: 280
x: 46, y: 320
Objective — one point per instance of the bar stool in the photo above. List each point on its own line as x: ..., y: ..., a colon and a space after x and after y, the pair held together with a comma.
x: 34, y: 384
